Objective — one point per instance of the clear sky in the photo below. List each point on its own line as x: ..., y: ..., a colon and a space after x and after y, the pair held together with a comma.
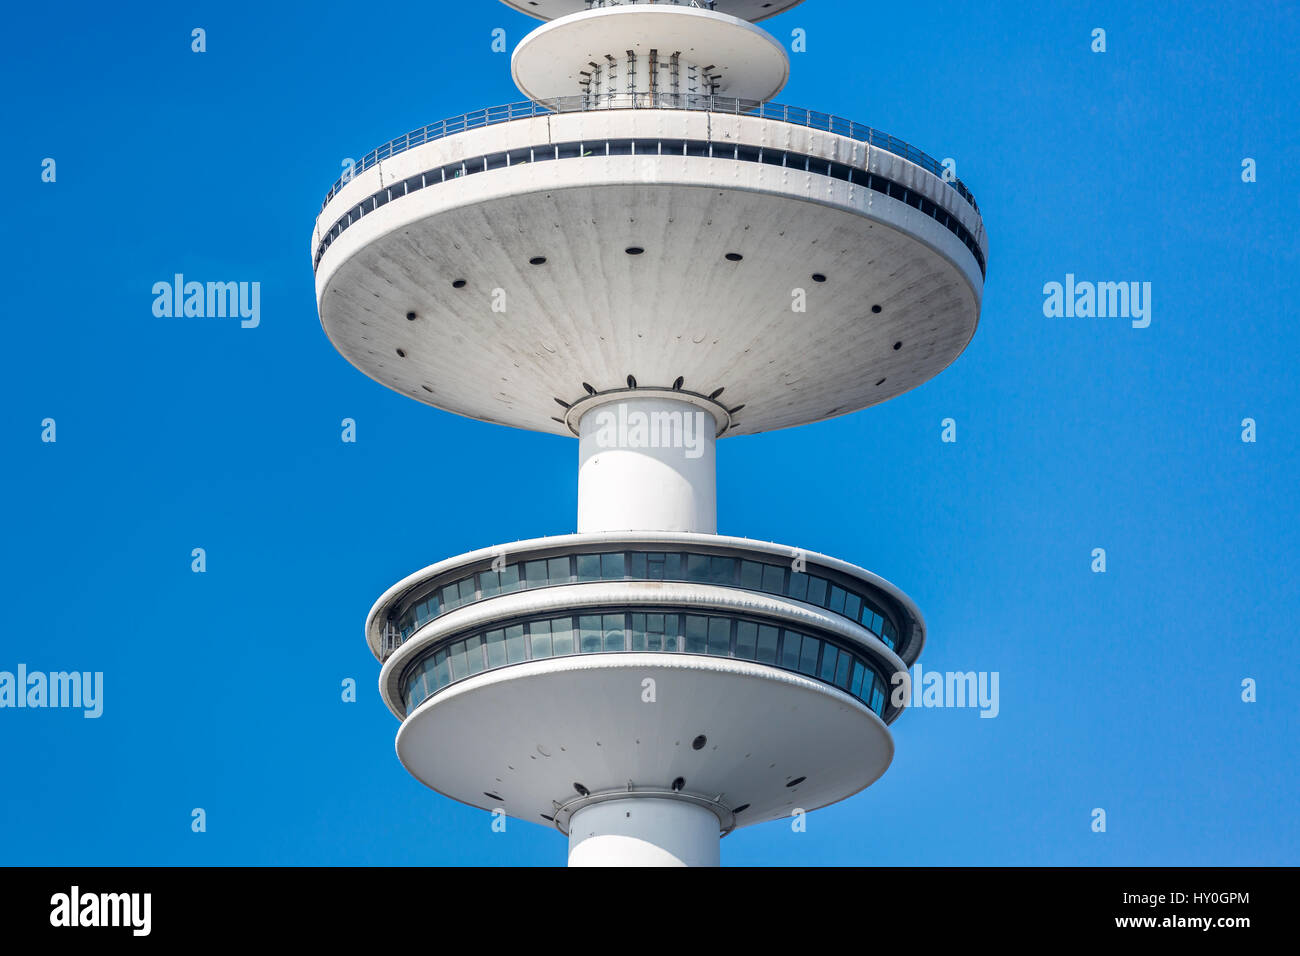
x: 1119, y: 691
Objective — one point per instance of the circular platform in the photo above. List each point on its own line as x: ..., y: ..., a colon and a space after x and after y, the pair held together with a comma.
x: 752, y: 10
x: 742, y: 60
x: 804, y: 296
x: 523, y: 739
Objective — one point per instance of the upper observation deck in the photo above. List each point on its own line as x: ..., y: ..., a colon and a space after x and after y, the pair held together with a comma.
x: 505, y: 263
x: 751, y: 10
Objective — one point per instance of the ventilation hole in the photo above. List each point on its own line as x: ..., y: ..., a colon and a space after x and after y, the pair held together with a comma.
x: 736, y: 409
x: 880, y: 383
x: 401, y: 353
x: 562, y: 403
x: 584, y: 792
x: 716, y: 392
x: 459, y: 284
x: 741, y: 809
x: 427, y: 389
x: 410, y: 317
x: 796, y: 781
x: 560, y: 420
x: 678, y: 784
x: 818, y: 277
x: 634, y: 250
x: 876, y: 309
x: 631, y: 381
x: 537, y: 261
x: 678, y: 382
x: 699, y: 742
x: 547, y: 817
x: 897, y: 346
x: 734, y: 257
x: 493, y: 796
x: 590, y: 390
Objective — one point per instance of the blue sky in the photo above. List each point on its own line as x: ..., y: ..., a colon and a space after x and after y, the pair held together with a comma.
x: 1119, y: 690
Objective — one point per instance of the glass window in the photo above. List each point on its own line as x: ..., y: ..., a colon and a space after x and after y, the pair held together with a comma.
x: 496, y: 648
x: 852, y: 606
x: 489, y: 583
x: 767, y: 640
x: 510, y: 580
x: 720, y: 636
x: 654, y: 628
x: 588, y: 567
x: 858, y: 673
x: 697, y: 633
x: 827, y: 673
x: 613, y: 626
x: 535, y: 573
x: 836, y: 602
x: 456, y: 653
x: 449, y: 596
x: 798, y: 586
x: 415, y: 688
x: 638, y: 634
x: 518, y: 156
x: 697, y: 567
x: 773, y: 578
x: 636, y: 568
x: 751, y: 575
x: 612, y: 566
x: 589, y: 633
x: 562, y: 636
x: 808, y: 655
x: 672, y: 632
x: 557, y: 570
x: 722, y: 570
x: 889, y: 634
x: 468, y: 590
x: 539, y: 636
x: 515, y: 649
x: 673, y: 567
x: 816, y: 590
x: 790, y: 650
x: 877, y: 698
x: 474, y: 653
x: 620, y: 147
x: 871, y: 620
x: 746, y: 640
x: 842, y: 671
x: 654, y: 566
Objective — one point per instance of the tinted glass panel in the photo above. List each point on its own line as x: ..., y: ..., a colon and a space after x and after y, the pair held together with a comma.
x: 767, y: 642
x: 720, y: 636
x: 808, y: 655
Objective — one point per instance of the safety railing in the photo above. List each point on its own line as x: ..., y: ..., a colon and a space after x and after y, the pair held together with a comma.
x: 701, y: 102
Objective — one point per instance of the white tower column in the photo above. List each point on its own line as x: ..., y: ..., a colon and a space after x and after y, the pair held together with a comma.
x: 644, y: 831
x: 647, y: 464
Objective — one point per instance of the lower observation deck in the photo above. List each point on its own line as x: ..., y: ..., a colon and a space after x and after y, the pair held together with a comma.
x: 494, y: 271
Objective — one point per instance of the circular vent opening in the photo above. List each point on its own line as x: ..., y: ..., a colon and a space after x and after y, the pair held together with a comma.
x: 699, y: 742
x: 678, y: 784
x: 796, y: 781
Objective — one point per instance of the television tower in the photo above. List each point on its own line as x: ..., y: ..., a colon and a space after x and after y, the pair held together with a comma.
x: 648, y: 255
